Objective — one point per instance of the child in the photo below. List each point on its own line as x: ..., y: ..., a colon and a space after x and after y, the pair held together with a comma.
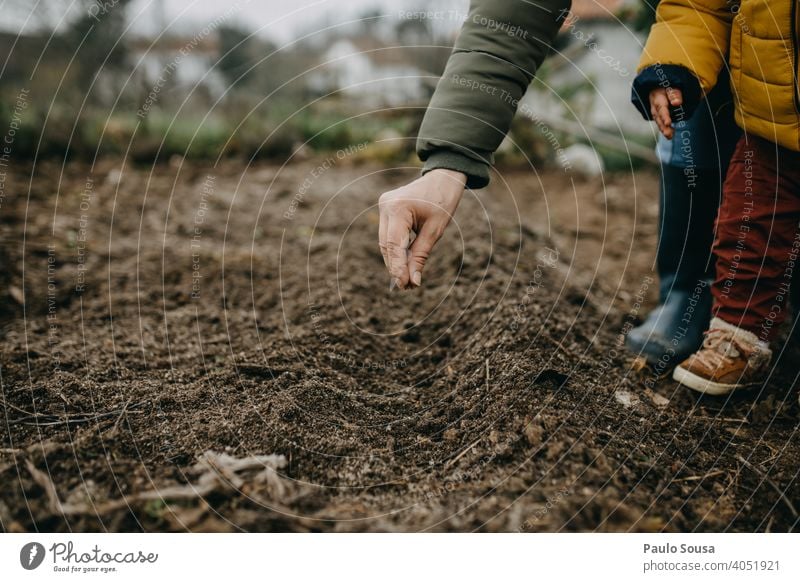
x: 757, y: 241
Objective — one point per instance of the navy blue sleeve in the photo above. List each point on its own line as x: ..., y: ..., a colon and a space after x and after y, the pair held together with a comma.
x: 666, y: 76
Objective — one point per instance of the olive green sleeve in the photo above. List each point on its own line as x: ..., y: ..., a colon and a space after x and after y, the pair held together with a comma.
x: 497, y: 53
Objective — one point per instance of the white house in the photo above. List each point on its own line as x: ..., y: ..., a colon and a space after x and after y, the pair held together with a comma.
x: 601, y: 53
x: 370, y: 74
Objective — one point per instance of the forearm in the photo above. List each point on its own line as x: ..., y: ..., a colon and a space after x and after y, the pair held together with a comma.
x: 498, y: 51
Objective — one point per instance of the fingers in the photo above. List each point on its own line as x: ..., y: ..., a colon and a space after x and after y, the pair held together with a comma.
x: 675, y: 97
x: 383, y: 230
x: 394, y: 233
x: 396, y: 249
x: 420, y: 250
x: 659, y: 110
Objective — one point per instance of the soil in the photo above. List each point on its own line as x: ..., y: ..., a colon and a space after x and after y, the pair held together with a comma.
x: 206, y: 348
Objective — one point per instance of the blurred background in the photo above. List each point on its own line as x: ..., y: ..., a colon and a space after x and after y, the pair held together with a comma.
x: 153, y: 79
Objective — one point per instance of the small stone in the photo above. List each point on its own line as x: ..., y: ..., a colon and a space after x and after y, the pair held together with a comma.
x: 625, y: 398
x: 659, y: 400
x: 533, y: 434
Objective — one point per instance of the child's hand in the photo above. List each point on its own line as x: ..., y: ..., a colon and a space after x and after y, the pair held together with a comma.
x: 661, y: 100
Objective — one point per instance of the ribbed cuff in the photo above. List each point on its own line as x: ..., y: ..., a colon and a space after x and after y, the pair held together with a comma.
x: 666, y: 76
x: 477, y: 173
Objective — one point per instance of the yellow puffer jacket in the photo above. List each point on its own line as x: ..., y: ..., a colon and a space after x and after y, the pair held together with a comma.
x: 759, y: 40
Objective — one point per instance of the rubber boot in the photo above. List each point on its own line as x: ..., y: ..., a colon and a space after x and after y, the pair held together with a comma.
x: 688, y: 208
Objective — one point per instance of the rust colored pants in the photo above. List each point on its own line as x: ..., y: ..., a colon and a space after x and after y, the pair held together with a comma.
x: 757, y: 241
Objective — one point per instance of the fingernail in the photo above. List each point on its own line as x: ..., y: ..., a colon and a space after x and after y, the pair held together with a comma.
x: 392, y: 284
x: 417, y: 278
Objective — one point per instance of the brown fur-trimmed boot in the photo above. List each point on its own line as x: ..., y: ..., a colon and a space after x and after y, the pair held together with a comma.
x: 729, y: 359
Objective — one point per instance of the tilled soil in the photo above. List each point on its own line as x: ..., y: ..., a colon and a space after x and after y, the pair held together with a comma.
x: 216, y: 348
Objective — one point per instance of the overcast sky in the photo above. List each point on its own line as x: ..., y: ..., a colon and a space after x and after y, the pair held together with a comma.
x: 279, y: 19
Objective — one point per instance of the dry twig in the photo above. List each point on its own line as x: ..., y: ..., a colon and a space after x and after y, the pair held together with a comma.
x: 770, y: 482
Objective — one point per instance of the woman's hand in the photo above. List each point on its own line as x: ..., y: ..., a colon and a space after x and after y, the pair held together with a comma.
x: 661, y: 99
x: 424, y: 207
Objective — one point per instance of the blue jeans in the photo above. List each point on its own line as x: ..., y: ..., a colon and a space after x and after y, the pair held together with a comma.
x: 693, y: 166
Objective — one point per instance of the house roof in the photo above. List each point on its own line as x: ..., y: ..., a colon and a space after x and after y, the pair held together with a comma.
x: 378, y: 52
x: 208, y: 44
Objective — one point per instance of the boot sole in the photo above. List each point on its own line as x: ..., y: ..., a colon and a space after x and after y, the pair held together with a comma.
x: 655, y: 354
x: 700, y: 384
